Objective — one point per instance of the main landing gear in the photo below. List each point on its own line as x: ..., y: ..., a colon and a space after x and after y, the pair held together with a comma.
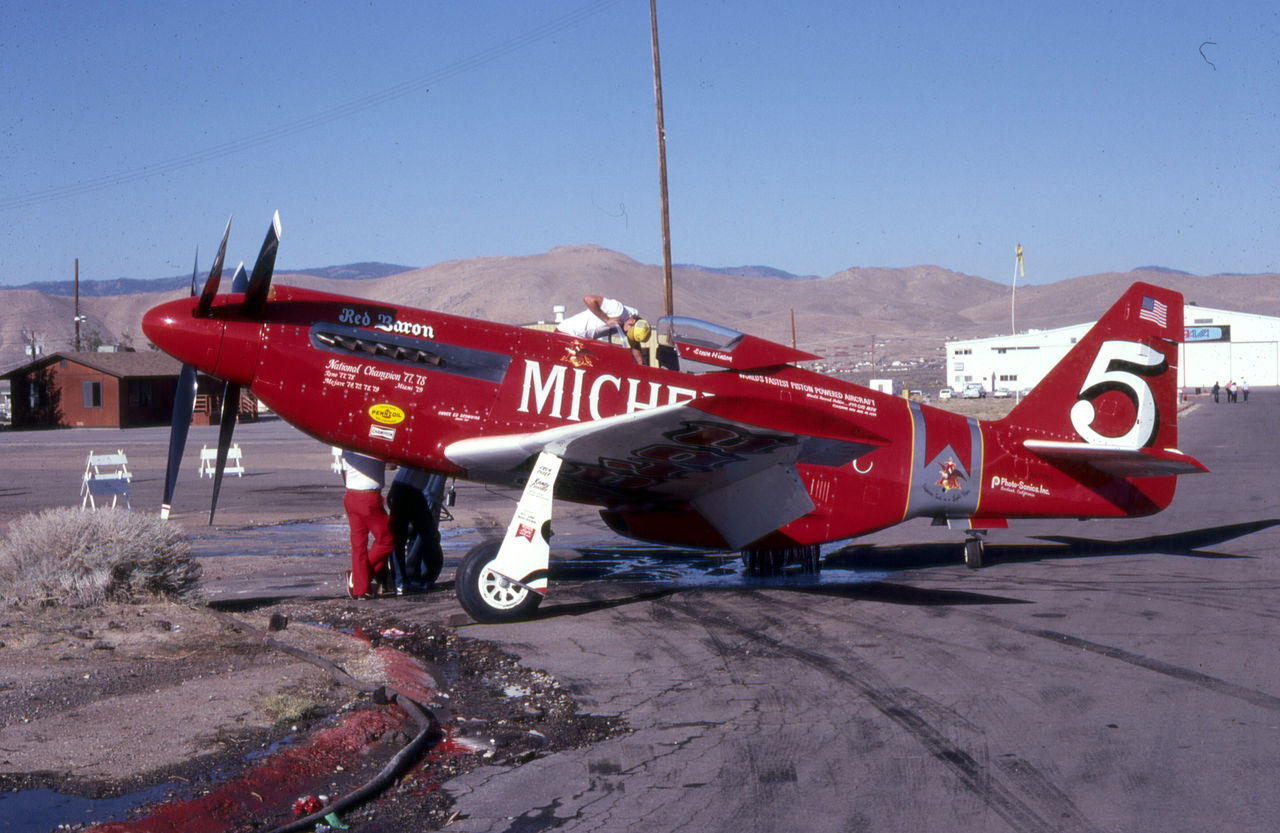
x: 504, y: 581
x: 772, y: 561
x: 488, y: 596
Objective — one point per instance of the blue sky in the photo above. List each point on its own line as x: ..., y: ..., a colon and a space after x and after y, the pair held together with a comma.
x: 807, y: 136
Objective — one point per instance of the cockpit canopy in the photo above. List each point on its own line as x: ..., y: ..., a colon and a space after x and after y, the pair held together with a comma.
x: 702, y: 343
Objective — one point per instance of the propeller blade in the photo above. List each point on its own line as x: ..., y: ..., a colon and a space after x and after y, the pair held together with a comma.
x: 240, y: 280
x: 184, y: 400
x: 255, y: 297
x: 194, y: 269
x: 230, y: 410
x: 215, y: 277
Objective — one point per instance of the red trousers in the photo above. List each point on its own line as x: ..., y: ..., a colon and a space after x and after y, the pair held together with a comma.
x: 366, y: 515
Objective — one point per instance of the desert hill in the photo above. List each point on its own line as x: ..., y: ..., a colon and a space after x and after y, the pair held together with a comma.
x: 910, y: 310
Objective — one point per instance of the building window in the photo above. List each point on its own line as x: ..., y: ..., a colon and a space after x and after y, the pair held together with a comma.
x: 140, y: 393
x: 1009, y: 377
x: 91, y: 394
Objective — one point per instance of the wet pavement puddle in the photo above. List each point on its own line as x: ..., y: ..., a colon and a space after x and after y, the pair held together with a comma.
x: 42, y: 810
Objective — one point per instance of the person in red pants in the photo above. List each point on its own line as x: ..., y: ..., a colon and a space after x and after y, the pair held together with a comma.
x: 366, y: 515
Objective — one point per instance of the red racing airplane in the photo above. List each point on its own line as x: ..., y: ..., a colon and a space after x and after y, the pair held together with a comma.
x: 726, y: 445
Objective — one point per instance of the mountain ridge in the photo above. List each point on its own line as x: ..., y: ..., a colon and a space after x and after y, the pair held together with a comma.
x: 908, y: 311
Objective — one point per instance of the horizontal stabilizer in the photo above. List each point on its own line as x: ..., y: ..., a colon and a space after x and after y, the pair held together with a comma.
x: 1117, y: 461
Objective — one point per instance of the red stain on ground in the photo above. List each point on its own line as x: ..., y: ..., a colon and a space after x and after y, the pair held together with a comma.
x: 268, y: 789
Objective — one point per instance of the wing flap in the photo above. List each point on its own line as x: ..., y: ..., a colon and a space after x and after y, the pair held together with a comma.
x: 752, y: 507
x: 1117, y: 461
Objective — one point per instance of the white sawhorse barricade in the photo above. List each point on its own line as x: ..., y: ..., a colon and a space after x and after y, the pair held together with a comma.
x: 105, y: 474
x: 209, y: 461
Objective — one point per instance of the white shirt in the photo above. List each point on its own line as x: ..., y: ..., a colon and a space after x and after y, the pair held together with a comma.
x: 587, y: 324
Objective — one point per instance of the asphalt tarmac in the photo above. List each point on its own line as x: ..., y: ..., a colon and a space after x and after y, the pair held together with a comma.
x: 1101, y: 676
x: 1098, y: 676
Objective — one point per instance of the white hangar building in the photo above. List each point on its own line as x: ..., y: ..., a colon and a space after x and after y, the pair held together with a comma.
x: 1220, y: 345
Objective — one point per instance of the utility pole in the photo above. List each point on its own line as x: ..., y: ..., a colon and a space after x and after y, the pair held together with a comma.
x: 77, y: 305
x: 668, y: 306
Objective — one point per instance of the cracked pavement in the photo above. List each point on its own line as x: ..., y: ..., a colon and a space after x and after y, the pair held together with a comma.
x: 1070, y: 687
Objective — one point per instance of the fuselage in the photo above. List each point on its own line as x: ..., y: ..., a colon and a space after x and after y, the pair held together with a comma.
x: 404, y: 384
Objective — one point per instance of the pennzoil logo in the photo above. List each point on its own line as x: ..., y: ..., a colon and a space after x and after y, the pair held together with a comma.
x: 386, y: 414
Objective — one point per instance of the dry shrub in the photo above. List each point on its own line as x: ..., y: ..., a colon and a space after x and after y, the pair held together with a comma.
x: 82, y: 559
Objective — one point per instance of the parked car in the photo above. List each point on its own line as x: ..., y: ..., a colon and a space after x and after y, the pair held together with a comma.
x: 945, y: 393
x: 1002, y: 393
x: 974, y: 390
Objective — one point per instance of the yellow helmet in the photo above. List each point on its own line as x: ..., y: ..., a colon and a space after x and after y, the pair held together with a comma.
x: 639, y: 332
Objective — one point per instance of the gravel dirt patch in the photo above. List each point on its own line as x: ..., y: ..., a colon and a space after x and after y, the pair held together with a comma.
x: 114, y: 701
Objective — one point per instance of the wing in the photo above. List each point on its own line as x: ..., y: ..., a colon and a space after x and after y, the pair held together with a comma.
x: 1118, y: 461
x: 737, y: 474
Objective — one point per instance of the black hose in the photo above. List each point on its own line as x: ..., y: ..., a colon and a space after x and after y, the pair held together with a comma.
x: 421, y: 715
x: 385, y: 776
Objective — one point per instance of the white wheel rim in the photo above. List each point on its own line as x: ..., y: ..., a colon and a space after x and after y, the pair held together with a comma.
x: 499, y: 592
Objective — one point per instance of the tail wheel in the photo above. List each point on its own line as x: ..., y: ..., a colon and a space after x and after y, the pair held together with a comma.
x: 974, y: 550
x: 487, y: 596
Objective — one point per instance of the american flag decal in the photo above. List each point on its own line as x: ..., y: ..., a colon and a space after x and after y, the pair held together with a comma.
x: 1154, y: 311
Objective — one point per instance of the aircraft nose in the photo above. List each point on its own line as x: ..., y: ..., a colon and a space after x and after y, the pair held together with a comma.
x: 174, y: 329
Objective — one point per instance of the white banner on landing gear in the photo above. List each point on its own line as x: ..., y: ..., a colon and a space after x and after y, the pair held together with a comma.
x: 526, y: 550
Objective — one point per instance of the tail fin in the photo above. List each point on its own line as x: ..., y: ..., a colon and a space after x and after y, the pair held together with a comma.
x: 1117, y: 390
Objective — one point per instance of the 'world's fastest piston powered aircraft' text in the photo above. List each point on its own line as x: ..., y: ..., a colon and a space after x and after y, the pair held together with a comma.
x: 727, y: 446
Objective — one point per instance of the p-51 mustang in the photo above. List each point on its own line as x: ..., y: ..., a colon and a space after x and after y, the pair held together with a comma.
x: 729, y: 445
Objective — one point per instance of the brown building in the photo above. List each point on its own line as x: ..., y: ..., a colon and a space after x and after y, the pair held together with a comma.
x: 109, y: 390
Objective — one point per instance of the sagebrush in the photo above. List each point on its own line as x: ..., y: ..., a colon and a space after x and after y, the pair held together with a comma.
x: 82, y: 559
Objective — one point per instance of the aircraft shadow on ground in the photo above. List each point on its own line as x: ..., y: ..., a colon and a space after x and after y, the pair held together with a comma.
x: 1188, y: 544
x: 690, y: 570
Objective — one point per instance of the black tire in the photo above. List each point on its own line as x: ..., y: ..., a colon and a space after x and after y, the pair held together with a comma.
x: 973, y: 553
x: 487, y: 596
